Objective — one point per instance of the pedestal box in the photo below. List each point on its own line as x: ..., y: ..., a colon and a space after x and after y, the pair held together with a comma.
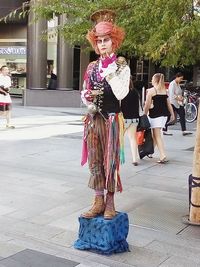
x: 103, y: 236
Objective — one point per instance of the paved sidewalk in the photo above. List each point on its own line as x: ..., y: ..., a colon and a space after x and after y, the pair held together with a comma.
x: 44, y: 190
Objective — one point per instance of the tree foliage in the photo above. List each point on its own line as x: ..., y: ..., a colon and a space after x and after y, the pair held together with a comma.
x: 163, y: 31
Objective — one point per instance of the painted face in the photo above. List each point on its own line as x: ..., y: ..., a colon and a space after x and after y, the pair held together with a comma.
x: 104, y: 45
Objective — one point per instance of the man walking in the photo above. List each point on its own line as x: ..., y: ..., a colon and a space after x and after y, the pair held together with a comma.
x: 176, y: 100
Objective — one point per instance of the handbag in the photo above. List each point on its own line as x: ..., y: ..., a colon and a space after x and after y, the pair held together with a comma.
x: 147, y: 147
x: 144, y: 123
x: 140, y: 137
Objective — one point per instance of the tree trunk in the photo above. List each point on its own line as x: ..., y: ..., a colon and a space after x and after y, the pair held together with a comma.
x: 194, y: 216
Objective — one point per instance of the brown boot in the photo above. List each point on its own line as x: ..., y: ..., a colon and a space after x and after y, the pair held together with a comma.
x: 97, y: 208
x: 109, y: 212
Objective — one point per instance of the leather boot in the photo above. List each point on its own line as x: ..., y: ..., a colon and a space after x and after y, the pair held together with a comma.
x: 97, y: 208
x: 109, y: 212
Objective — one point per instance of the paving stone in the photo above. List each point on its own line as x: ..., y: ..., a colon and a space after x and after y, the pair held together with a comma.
x: 34, y: 230
x: 175, y: 250
x: 36, y: 259
x: 9, y: 262
x: 191, y: 232
x: 139, y: 256
x: 92, y: 265
x: 4, y: 237
x: 160, y: 214
x: 44, y: 190
x: 69, y: 222
x: 6, y: 210
x: 66, y: 238
x: 7, y: 249
x: 139, y: 238
x: 179, y: 262
x: 34, y: 244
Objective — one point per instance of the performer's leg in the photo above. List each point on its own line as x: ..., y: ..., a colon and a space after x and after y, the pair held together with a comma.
x: 97, y: 175
x: 96, y: 155
x: 109, y: 212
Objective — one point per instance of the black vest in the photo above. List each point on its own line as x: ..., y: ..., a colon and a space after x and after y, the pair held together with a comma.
x: 107, y: 102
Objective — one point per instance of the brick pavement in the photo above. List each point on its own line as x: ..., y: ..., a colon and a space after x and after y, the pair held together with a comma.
x: 44, y: 190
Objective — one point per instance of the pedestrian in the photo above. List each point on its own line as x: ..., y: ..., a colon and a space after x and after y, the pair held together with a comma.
x: 130, y: 106
x: 176, y: 100
x: 106, y: 82
x: 158, y: 107
x: 5, y: 99
x: 52, y: 81
x: 165, y: 129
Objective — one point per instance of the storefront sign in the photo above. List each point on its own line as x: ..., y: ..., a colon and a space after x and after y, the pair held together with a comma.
x: 13, y: 50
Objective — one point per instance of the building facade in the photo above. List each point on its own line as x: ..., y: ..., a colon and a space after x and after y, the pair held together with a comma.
x: 32, y: 59
x: 13, y: 44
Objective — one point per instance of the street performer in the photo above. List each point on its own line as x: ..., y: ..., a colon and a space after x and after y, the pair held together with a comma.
x: 106, y: 82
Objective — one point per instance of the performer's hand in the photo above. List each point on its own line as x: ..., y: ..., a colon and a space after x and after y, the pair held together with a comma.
x: 88, y: 96
x: 110, y: 69
x: 95, y: 92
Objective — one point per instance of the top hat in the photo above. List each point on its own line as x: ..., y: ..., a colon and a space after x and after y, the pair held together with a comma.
x: 103, y: 15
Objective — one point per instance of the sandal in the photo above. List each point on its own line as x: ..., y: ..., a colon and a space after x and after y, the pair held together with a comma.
x: 10, y: 127
x: 162, y: 161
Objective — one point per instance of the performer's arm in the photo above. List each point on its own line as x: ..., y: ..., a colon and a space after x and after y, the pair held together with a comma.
x: 119, y: 82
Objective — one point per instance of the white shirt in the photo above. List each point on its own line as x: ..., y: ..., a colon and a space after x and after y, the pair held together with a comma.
x: 5, y: 80
x: 174, y: 90
x: 119, y: 84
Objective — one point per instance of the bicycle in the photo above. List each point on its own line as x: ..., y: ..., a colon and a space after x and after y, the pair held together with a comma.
x: 191, y: 103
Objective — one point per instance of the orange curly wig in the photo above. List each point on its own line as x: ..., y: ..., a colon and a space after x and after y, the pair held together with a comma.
x: 117, y: 35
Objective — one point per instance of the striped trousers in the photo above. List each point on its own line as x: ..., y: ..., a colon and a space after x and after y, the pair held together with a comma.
x: 97, y: 137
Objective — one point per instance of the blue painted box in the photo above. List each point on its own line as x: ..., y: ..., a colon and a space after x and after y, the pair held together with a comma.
x: 103, y: 236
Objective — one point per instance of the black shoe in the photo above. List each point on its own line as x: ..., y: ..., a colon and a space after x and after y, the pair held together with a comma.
x: 166, y: 133
x: 186, y: 133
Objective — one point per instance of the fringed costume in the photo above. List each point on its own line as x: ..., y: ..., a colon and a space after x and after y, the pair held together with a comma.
x: 106, y: 83
x: 104, y: 132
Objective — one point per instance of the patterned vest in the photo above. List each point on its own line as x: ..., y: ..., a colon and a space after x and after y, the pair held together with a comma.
x: 106, y: 102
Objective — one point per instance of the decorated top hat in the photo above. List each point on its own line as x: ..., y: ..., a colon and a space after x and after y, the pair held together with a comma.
x: 103, y: 15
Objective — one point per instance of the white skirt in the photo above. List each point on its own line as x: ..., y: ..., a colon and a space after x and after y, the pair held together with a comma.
x: 158, y: 122
x: 5, y: 99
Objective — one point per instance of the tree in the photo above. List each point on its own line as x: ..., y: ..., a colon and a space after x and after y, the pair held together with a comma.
x: 167, y: 32
x: 160, y: 30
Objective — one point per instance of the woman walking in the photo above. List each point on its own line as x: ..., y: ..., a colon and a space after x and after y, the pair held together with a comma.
x: 130, y: 107
x: 158, y: 107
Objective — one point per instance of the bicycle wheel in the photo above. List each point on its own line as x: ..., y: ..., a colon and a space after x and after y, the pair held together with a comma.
x: 190, y: 112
